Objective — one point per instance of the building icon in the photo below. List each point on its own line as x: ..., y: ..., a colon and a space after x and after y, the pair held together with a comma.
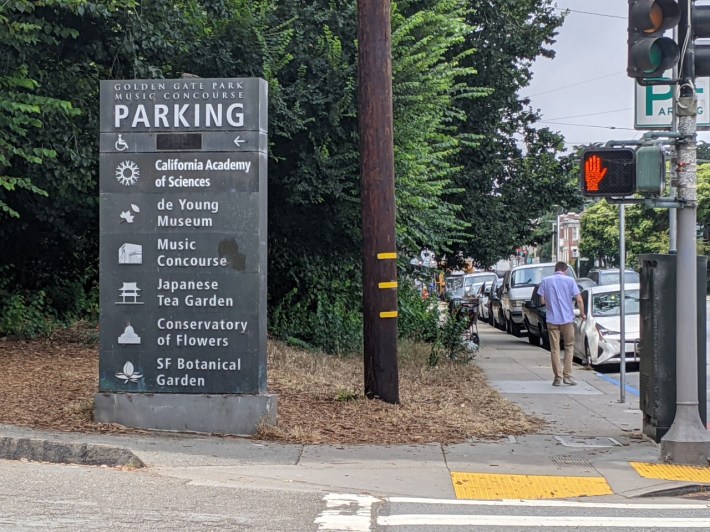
x: 129, y: 336
x: 130, y: 254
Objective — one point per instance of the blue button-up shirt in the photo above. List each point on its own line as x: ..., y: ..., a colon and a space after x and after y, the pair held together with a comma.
x: 559, y: 290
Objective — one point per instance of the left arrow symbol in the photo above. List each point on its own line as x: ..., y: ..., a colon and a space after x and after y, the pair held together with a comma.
x: 238, y: 141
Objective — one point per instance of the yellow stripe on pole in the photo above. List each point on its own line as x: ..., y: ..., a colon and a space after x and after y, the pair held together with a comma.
x: 388, y: 314
x: 388, y: 284
x: 385, y: 256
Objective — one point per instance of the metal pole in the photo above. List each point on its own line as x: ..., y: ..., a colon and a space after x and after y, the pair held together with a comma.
x: 378, y: 206
x: 672, y: 217
x: 622, y: 302
x: 672, y: 213
x: 553, y: 255
x: 687, y: 440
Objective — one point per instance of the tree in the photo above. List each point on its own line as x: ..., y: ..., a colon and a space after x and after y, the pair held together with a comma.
x: 23, y: 103
x: 646, y: 232
x: 516, y: 172
x: 59, y: 50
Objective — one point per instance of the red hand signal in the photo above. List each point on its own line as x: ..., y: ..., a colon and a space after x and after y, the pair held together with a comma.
x: 594, y: 173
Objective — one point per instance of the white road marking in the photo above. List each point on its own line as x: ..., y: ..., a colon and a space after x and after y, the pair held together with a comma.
x: 550, y: 503
x: 540, y: 521
x: 346, y: 512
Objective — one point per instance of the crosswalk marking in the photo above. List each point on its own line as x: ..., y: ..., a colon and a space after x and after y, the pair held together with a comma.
x: 550, y: 504
x: 346, y: 512
x: 540, y: 521
x: 355, y: 513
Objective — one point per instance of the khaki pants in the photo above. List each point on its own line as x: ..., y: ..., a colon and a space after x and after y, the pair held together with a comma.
x: 567, y: 333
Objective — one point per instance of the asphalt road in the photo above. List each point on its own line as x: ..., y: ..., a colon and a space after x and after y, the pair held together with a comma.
x: 59, y: 497
x: 38, y: 496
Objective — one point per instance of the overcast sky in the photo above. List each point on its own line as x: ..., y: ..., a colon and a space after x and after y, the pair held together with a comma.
x: 584, y: 91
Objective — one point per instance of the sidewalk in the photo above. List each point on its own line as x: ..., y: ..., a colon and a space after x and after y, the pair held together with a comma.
x: 591, y: 446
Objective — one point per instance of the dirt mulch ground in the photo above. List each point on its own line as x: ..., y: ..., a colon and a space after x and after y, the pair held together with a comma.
x: 50, y: 384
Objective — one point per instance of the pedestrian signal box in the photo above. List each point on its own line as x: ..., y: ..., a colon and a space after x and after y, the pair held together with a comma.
x: 608, y: 172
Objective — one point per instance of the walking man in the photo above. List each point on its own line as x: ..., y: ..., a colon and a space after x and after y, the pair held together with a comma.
x: 557, y: 292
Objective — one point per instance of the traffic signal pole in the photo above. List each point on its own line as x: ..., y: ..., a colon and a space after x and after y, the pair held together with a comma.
x: 687, y: 440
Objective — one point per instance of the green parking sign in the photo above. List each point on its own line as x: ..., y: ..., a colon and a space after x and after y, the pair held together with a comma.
x: 654, y: 105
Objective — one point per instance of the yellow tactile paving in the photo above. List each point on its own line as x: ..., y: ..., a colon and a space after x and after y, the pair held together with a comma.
x: 681, y: 473
x: 487, y: 486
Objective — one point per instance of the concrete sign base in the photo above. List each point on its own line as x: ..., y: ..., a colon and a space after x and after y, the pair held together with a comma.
x: 239, y: 415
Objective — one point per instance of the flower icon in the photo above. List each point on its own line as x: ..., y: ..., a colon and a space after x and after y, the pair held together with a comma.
x: 128, y: 374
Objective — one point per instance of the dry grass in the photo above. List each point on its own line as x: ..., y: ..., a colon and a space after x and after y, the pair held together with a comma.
x: 50, y: 384
x: 448, y: 403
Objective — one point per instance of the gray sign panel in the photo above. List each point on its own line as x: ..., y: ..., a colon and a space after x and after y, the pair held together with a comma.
x: 184, y: 105
x: 183, y: 236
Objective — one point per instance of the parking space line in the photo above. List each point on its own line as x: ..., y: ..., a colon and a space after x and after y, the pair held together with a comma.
x: 617, y: 383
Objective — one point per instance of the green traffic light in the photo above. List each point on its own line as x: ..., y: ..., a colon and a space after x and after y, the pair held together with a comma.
x: 655, y: 58
x: 650, y: 53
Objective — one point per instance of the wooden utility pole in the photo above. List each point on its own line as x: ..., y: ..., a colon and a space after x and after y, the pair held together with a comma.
x: 377, y: 196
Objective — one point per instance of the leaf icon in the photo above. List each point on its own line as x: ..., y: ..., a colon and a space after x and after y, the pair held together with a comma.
x: 128, y: 369
x: 135, y: 208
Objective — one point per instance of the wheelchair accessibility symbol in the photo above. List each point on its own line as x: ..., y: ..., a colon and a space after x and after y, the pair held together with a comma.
x: 121, y: 145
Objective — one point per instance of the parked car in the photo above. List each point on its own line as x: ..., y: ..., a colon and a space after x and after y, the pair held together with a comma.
x: 496, y: 310
x: 597, y: 339
x: 518, y: 285
x: 611, y: 276
x: 534, y: 319
x: 472, y: 282
x: 484, y: 298
x: 585, y: 282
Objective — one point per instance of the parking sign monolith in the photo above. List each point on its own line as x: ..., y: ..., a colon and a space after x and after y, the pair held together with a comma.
x: 183, y: 188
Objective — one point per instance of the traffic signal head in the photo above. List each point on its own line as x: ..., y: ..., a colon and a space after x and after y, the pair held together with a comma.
x: 700, y: 21
x: 650, y: 169
x: 650, y: 54
x: 608, y: 172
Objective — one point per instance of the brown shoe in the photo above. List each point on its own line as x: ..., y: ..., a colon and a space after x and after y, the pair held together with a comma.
x: 557, y: 381
x: 570, y: 381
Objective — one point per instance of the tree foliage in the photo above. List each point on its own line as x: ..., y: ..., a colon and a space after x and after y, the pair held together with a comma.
x: 646, y: 232
x: 516, y: 172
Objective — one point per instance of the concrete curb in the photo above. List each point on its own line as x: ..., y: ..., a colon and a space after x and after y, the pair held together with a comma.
x: 688, y: 489
x: 40, y: 450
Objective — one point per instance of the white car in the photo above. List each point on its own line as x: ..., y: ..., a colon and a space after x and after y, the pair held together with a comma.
x: 597, y: 340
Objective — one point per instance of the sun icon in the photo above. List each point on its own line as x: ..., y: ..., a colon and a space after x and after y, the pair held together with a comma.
x: 127, y: 173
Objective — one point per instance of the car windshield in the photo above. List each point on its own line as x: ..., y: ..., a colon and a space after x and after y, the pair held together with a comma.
x: 454, y: 283
x: 613, y: 277
x: 533, y: 276
x: 473, y: 284
x: 609, y: 303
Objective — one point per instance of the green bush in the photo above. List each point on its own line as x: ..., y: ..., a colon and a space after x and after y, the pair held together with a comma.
x: 326, y: 312
x: 450, y: 342
x: 25, y: 317
x: 418, y: 318
x: 31, y: 313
